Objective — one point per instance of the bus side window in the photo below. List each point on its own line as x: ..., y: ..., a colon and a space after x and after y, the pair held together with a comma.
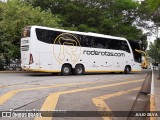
x: 43, y: 35
x: 86, y: 41
x: 92, y: 41
x: 124, y: 46
x: 46, y: 36
x: 112, y: 44
x: 100, y: 42
x: 83, y: 41
x: 107, y: 43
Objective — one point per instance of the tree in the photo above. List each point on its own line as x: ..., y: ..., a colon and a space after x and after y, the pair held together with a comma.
x: 153, y: 5
x: 154, y: 50
x: 112, y: 17
x: 150, y: 11
x: 15, y: 15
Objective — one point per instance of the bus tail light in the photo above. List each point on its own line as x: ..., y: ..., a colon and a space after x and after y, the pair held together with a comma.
x: 31, y: 59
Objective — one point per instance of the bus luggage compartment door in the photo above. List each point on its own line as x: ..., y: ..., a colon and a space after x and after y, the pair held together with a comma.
x: 118, y: 63
x: 45, y: 61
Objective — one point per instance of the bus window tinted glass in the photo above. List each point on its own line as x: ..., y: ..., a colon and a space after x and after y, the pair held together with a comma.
x: 67, y: 39
x: 99, y: 42
x: 124, y: 46
x: 117, y: 45
x: 113, y: 44
x: 137, y: 56
x: 47, y: 36
x: 86, y: 41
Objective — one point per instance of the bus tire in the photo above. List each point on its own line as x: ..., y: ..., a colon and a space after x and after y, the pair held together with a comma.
x: 79, y: 69
x: 127, y: 70
x: 66, y: 70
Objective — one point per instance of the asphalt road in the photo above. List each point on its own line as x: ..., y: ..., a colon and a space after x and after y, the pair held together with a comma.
x: 89, y: 93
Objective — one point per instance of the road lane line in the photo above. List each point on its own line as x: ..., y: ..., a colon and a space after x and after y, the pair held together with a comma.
x: 51, y: 101
x: 12, y: 93
x: 102, y: 106
x: 7, y: 96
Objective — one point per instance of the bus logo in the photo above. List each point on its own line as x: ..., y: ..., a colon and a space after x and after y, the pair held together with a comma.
x: 67, y: 48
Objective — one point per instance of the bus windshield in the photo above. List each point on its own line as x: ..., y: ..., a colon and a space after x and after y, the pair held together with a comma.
x: 134, y: 46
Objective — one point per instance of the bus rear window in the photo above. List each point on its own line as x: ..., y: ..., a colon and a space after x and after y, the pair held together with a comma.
x: 26, y: 32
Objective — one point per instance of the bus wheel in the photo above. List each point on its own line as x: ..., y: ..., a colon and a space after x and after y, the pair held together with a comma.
x: 66, y: 70
x: 79, y: 69
x: 127, y: 70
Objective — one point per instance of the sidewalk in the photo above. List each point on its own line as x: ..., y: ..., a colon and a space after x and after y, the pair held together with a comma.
x: 157, y: 91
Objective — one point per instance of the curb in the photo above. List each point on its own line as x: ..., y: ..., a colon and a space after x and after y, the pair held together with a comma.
x: 141, y: 103
x: 152, y: 97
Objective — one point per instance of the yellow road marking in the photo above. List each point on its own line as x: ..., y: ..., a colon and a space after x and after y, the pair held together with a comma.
x: 51, y: 101
x: 102, y: 106
x: 152, y: 106
x: 152, y: 103
x: 10, y: 94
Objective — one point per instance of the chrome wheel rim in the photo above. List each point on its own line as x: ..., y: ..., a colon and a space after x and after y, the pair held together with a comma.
x: 66, y: 70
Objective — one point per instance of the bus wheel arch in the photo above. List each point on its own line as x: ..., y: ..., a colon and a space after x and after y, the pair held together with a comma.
x: 79, y: 69
x: 127, y: 69
x: 66, y: 69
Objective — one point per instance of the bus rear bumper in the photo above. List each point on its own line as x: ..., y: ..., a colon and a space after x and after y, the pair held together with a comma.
x: 25, y: 67
x: 28, y: 68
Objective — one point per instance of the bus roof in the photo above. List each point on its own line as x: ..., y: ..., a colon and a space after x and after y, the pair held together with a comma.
x: 81, y: 33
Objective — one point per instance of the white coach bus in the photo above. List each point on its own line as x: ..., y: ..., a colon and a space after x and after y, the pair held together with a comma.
x: 52, y: 50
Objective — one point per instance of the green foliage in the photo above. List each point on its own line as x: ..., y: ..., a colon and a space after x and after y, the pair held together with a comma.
x: 153, y: 5
x: 150, y: 10
x: 154, y: 50
x: 15, y: 15
x: 112, y: 17
x: 1, y: 64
